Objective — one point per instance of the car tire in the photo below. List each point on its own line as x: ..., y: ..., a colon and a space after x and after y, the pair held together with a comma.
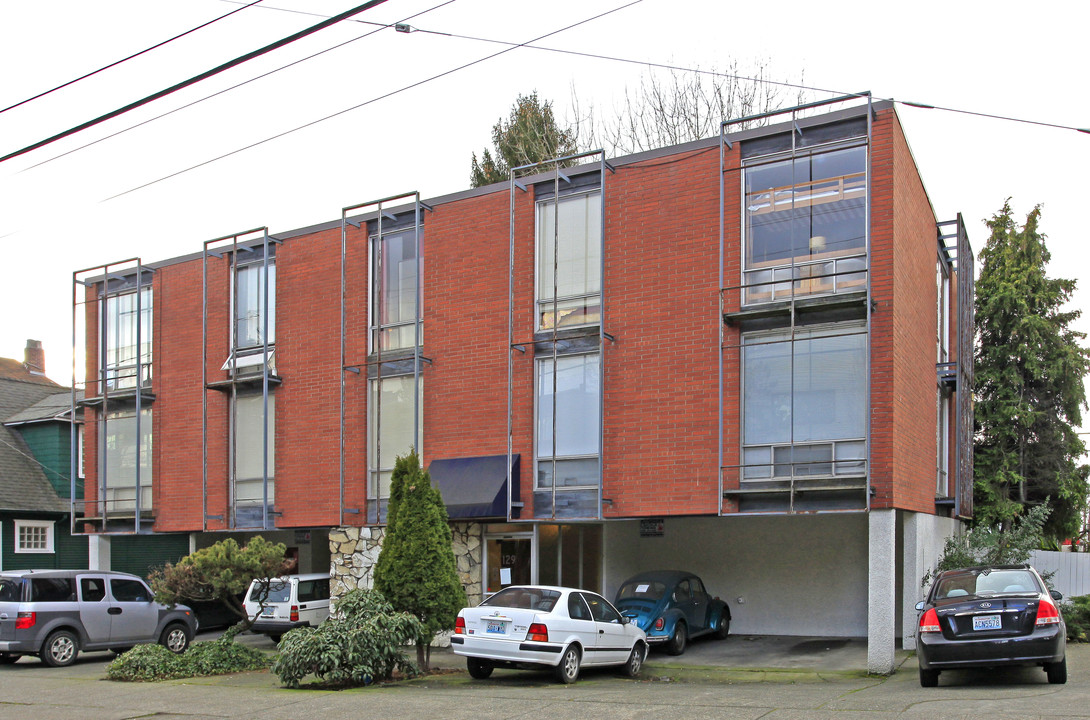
x: 723, y: 630
x: 275, y: 638
x: 175, y: 638
x: 60, y: 649
x: 8, y: 658
x: 929, y: 678
x: 567, y: 671
x: 678, y: 640
x: 634, y: 664
x: 1057, y: 672
x: 478, y: 669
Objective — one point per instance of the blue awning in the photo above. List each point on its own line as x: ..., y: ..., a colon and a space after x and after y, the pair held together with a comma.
x: 475, y: 487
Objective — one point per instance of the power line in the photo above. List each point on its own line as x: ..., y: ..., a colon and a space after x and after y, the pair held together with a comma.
x: 130, y: 57
x: 372, y: 100
x: 197, y: 78
x: 381, y: 26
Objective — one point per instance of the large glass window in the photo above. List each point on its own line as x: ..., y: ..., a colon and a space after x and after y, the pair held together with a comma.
x: 124, y: 361
x: 120, y: 460
x: 250, y: 304
x: 390, y: 429
x: 806, y: 225
x: 805, y: 403
x: 568, y: 393
x: 569, y: 261
x: 394, y: 290
x: 250, y: 469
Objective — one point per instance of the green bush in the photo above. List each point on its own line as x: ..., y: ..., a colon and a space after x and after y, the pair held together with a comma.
x: 1076, y: 612
x: 215, y: 657
x: 360, y: 643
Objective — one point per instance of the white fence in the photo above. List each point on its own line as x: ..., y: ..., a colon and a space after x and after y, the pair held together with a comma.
x: 1072, y: 570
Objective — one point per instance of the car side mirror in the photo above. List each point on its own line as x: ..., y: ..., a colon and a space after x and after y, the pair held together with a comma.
x: 919, y: 606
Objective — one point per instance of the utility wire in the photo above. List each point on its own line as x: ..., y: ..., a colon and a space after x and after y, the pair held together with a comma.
x: 381, y: 26
x: 197, y: 78
x: 130, y: 57
x: 372, y: 100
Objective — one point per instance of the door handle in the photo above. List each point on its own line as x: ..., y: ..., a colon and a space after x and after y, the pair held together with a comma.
x: 601, y: 632
x: 114, y: 611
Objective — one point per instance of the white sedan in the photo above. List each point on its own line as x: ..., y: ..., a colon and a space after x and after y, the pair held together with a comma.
x: 541, y: 625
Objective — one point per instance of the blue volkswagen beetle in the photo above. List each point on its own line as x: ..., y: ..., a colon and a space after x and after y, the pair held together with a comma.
x: 672, y: 606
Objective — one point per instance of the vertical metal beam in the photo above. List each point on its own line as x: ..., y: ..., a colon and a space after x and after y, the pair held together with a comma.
x: 868, y: 469
x: 556, y: 312
x: 510, y: 342
x: 601, y: 332
x: 139, y: 389
x: 719, y: 316
x: 204, y: 387
x: 340, y: 426
x: 73, y: 448
x: 417, y: 328
x: 264, y: 379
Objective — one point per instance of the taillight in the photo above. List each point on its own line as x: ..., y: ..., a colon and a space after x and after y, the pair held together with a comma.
x: 1047, y: 614
x: 25, y: 620
x: 538, y: 633
x: 660, y: 624
x: 929, y: 623
x: 459, y: 625
x: 294, y: 617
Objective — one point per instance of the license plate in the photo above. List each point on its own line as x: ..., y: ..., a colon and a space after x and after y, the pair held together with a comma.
x: 268, y: 612
x: 495, y: 627
x: 987, y: 622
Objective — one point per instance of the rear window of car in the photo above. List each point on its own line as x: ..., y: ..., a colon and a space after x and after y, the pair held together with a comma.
x: 642, y: 590
x: 10, y: 590
x: 52, y: 589
x: 986, y: 582
x: 533, y: 599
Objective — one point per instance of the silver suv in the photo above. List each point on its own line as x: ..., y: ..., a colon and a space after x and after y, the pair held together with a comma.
x: 56, y: 613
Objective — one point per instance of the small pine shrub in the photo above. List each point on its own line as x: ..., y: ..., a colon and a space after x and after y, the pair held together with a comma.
x: 360, y: 643
x: 1076, y: 612
x: 215, y: 657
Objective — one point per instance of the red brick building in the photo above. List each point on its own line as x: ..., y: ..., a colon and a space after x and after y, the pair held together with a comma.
x: 743, y: 356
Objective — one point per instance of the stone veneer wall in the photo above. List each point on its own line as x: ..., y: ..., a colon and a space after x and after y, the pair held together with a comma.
x: 354, y: 552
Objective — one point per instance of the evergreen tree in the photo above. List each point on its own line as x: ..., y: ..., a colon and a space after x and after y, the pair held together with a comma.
x: 1029, y: 384
x: 416, y: 571
x: 528, y: 136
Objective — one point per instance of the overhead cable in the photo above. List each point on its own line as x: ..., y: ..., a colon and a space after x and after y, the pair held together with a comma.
x: 197, y: 78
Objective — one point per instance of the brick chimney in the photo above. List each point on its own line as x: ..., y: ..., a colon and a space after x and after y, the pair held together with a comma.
x: 34, y: 357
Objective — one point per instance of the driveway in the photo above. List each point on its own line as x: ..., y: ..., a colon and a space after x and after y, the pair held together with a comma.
x: 668, y: 689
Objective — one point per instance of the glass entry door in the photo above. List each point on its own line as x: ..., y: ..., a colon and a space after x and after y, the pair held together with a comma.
x: 507, y: 561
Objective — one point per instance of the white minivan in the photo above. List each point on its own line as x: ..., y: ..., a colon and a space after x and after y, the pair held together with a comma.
x: 293, y: 601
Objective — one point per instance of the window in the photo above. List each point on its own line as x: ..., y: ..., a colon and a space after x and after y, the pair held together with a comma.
x: 806, y: 225
x: 390, y: 422
x: 573, y: 382
x: 569, y: 261
x: 395, y: 290
x: 804, y: 403
x: 123, y: 361
x: 250, y: 470
x: 250, y: 282
x: 34, y: 536
x: 52, y: 589
x: 120, y: 451
x: 129, y: 590
x: 92, y: 589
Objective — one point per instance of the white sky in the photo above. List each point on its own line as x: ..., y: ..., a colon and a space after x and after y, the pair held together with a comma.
x: 1006, y: 58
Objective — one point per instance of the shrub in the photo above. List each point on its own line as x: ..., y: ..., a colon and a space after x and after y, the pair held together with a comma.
x: 989, y: 545
x: 360, y: 643
x: 1076, y: 612
x: 215, y: 657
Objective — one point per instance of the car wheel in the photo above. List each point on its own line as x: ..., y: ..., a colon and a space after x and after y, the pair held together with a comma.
x: 634, y: 663
x: 478, y: 669
x: 7, y: 658
x: 275, y: 638
x: 929, y: 678
x: 1057, y: 672
x: 175, y: 638
x: 567, y: 671
x: 723, y: 630
x: 60, y: 649
x: 678, y: 640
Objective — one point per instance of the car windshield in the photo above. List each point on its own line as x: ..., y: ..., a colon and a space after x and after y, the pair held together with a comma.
x: 985, y: 582
x: 9, y: 590
x: 642, y: 590
x: 520, y: 597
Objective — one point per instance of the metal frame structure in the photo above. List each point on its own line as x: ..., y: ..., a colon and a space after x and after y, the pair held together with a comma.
x: 516, y: 183
x: 792, y: 307
x: 217, y: 248
x: 382, y: 211
x: 100, y: 277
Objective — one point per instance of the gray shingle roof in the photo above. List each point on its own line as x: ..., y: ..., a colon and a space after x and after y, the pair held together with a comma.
x: 23, y: 485
x: 53, y: 407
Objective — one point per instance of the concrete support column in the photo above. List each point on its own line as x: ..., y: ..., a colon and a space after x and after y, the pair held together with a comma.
x: 98, y: 552
x: 882, y: 591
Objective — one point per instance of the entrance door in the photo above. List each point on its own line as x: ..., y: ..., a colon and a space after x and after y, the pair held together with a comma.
x: 507, y: 561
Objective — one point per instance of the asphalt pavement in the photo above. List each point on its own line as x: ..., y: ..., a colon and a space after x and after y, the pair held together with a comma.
x: 744, y: 677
